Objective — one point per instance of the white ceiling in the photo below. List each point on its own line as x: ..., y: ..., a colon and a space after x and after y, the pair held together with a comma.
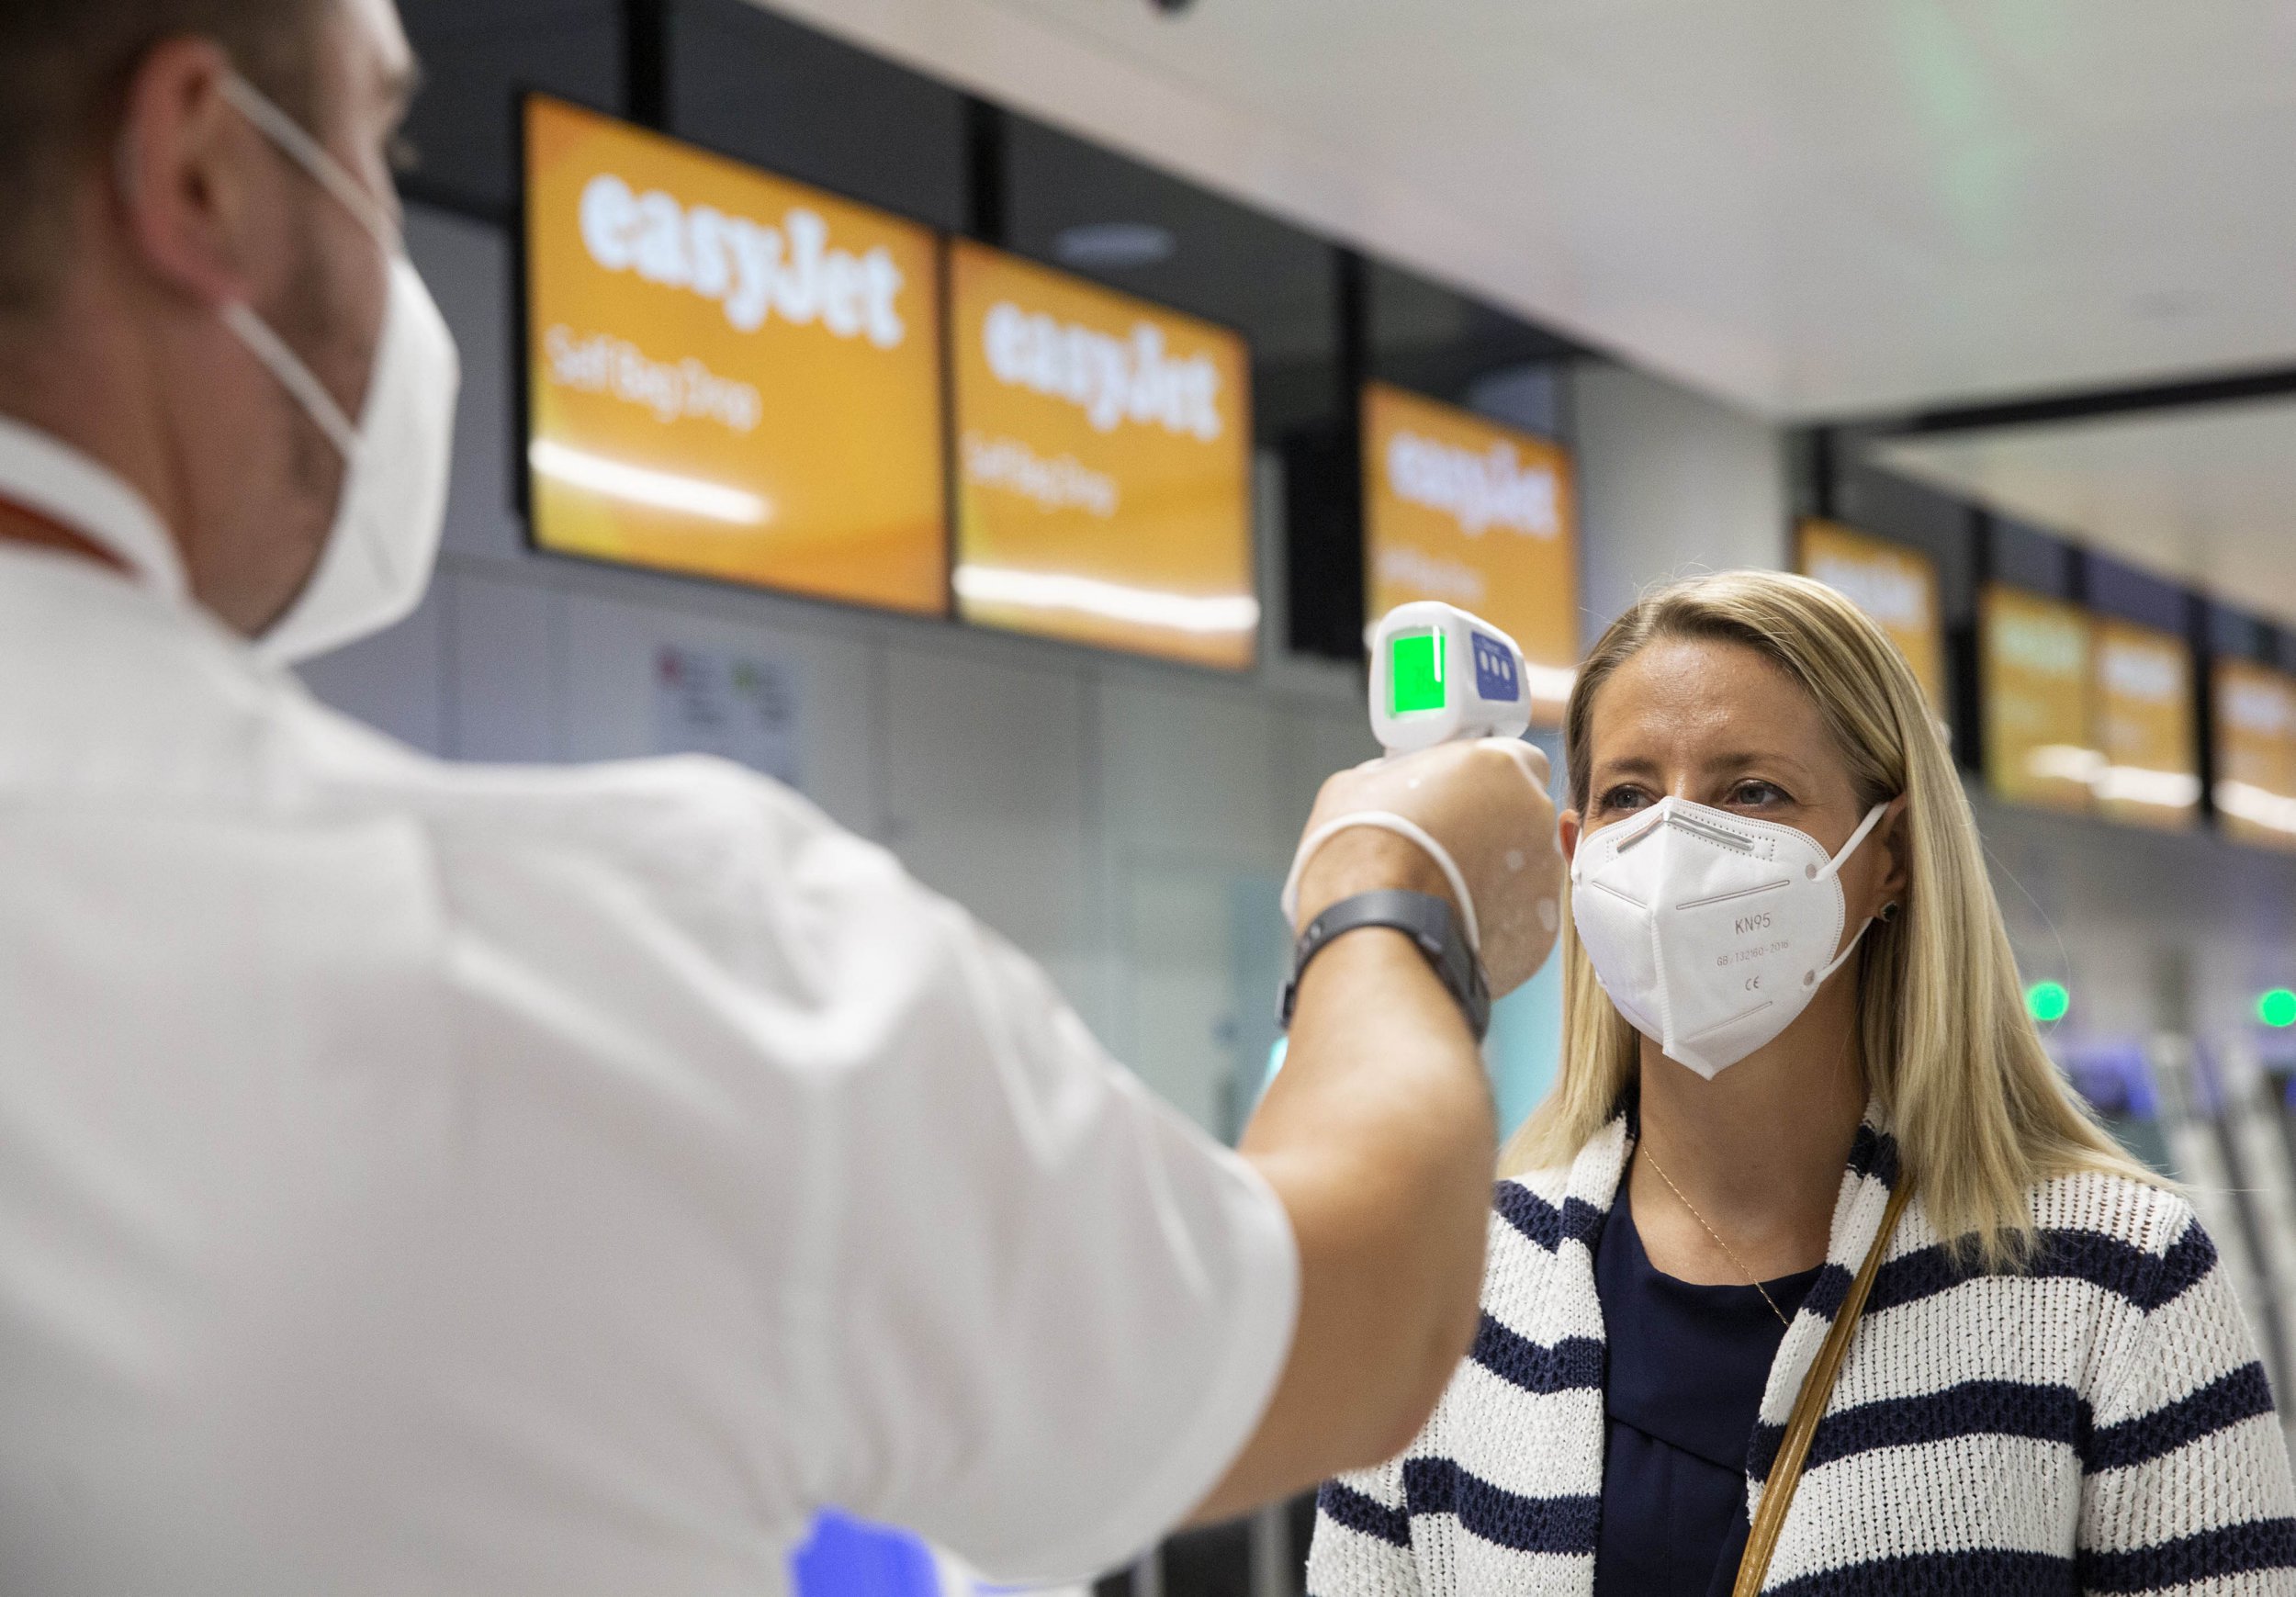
x: 2206, y: 496
x: 1813, y: 207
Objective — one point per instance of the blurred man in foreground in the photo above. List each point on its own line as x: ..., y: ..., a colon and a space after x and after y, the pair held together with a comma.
x: 504, y: 1182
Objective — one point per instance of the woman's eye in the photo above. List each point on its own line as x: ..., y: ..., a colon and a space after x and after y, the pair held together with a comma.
x: 1623, y: 798
x: 1755, y: 794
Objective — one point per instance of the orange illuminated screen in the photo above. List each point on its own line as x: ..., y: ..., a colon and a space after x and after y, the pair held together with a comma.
x: 728, y: 374
x: 1103, y: 461
x: 1461, y: 509
x: 2141, y: 698
x: 2255, y: 713
x: 1896, y: 587
x: 2035, y: 670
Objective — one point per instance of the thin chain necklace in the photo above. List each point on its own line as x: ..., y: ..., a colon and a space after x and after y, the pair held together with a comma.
x: 1718, y: 1239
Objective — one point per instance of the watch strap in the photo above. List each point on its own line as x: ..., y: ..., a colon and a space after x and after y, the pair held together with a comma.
x: 1425, y: 920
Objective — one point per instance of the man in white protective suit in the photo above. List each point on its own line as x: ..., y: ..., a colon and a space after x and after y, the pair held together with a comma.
x: 552, y: 1182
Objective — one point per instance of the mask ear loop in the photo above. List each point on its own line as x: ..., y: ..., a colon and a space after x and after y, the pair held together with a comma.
x: 1833, y: 868
x: 295, y: 377
x: 310, y: 155
x: 324, y: 169
x: 1873, y: 819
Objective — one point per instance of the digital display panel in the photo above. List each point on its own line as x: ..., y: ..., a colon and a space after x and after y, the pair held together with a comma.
x: 1894, y: 585
x: 1103, y: 466
x: 1415, y: 672
x: 2035, y: 669
x: 2141, y: 698
x: 728, y: 374
x: 2254, y: 708
x: 1460, y: 508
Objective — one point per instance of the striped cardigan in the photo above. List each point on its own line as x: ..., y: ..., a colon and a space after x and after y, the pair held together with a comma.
x: 2099, y: 1424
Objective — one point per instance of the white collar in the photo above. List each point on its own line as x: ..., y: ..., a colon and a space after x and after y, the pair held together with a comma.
x: 42, y: 473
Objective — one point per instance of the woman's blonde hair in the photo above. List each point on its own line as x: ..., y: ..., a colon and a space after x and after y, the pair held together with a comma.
x: 1979, y: 1111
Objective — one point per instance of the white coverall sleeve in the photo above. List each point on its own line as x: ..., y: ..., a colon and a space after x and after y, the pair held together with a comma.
x: 1055, y: 1309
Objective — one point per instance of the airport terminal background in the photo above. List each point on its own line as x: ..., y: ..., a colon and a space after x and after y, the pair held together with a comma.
x: 1126, y: 821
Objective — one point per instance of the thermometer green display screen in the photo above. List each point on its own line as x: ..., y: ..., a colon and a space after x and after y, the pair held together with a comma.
x: 1414, y: 673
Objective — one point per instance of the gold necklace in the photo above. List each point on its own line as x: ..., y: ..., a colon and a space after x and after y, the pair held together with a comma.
x: 1718, y: 1239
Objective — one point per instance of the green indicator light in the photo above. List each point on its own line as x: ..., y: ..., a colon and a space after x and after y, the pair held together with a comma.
x: 2277, y: 1008
x: 2047, y: 1000
x: 1414, y: 673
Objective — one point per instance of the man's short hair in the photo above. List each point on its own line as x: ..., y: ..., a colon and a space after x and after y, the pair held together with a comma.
x: 64, y: 70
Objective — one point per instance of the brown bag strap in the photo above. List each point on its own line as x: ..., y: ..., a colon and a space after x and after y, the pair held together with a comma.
x: 1785, y: 1471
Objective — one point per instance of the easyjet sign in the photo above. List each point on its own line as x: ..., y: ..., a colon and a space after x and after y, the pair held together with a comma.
x: 1103, y: 462
x: 704, y: 341
x: 790, y: 270
x: 1479, y: 489
x: 1110, y: 379
x: 1895, y: 586
x: 1468, y: 510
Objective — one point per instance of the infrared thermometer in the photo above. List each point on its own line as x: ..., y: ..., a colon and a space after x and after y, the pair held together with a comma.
x: 1439, y: 674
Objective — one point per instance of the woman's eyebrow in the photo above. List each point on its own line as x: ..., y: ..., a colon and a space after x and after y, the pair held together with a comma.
x: 1742, y: 760
x: 1752, y: 757
x: 1630, y: 765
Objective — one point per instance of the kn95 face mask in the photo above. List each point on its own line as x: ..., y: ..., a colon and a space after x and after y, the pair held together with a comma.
x: 391, y: 507
x: 1710, y: 931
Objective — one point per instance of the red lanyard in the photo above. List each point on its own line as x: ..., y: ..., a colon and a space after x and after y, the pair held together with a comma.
x: 65, y: 537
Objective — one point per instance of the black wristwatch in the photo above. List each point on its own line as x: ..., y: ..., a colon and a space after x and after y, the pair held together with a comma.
x: 1426, y: 920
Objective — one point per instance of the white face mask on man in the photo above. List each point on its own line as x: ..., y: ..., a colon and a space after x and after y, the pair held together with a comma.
x: 391, y: 506
x: 1710, y: 932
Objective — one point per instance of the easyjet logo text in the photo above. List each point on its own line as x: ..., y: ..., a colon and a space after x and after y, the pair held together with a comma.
x: 1885, y: 590
x: 1110, y: 379
x: 753, y: 271
x: 2136, y: 670
x: 1493, y: 489
x: 2042, y: 643
x: 2263, y: 707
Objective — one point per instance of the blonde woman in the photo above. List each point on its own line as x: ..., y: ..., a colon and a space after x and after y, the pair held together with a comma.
x: 1807, y: 1148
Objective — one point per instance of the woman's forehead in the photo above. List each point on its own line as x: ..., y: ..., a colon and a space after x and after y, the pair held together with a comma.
x: 1707, y: 699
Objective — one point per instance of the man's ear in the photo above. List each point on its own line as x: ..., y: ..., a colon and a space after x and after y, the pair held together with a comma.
x: 191, y: 173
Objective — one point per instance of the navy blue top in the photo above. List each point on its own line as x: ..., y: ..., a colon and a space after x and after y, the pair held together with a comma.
x: 1687, y: 1364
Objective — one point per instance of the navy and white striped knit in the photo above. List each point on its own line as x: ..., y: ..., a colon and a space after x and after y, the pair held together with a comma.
x: 2099, y: 1424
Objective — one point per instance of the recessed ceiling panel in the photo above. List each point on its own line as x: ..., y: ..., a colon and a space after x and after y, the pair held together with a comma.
x: 1812, y: 209
x: 2205, y: 495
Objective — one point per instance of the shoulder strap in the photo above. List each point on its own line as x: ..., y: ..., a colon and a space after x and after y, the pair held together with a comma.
x: 1785, y: 1472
